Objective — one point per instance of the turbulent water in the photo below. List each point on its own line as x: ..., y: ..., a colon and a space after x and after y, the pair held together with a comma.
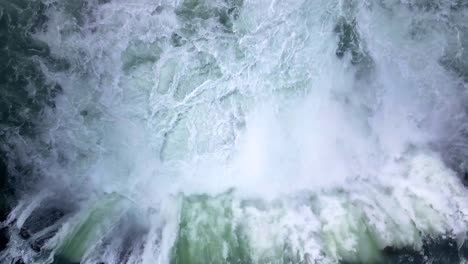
x: 233, y: 131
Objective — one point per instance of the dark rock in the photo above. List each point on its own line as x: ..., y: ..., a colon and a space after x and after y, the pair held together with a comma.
x: 44, y: 221
x: 177, y: 40
x: 18, y: 261
x: 6, y: 192
x: 4, y: 238
x: 441, y: 251
x: 402, y: 256
x: 3, y: 174
x: 38, y: 243
x: 24, y: 233
x: 4, y: 208
x: 63, y: 260
x: 40, y: 219
x: 157, y: 10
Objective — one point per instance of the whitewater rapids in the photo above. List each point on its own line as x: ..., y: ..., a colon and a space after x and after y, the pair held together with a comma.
x: 235, y: 131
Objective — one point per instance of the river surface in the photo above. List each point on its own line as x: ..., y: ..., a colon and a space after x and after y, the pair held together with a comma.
x: 234, y: 131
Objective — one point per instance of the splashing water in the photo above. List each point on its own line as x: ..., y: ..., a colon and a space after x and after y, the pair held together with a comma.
x: 234, y: 131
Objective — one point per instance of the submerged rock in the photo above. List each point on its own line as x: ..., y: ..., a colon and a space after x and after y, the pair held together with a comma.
x: 348, y: 38
x: 349, y: 42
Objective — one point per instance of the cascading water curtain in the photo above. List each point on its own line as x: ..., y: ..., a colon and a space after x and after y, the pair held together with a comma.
x: 233, y: 131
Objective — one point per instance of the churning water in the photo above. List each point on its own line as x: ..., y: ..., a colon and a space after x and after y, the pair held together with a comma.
x: 234, y: 131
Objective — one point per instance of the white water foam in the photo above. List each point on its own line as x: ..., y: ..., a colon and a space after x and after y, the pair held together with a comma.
x: 164, y: 102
